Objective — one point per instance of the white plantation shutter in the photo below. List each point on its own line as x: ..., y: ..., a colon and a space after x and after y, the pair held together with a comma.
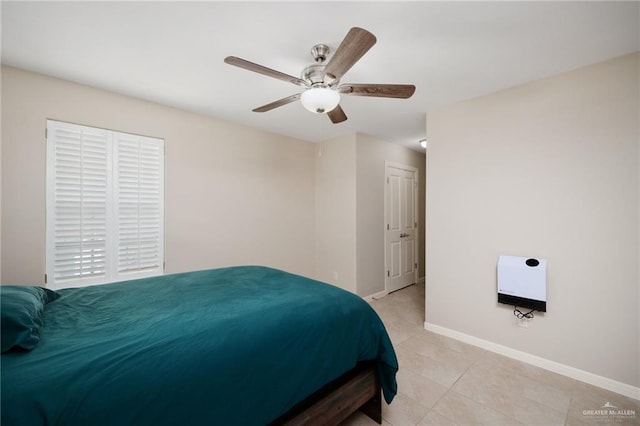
x: 138, y: 203
x: 78, y: 201
x: 105, y: 205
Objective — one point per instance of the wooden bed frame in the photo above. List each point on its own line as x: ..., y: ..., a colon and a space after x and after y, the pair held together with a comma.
x: 358, y: 389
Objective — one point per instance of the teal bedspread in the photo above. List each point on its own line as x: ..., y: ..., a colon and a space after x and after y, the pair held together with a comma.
x: 230, y: 346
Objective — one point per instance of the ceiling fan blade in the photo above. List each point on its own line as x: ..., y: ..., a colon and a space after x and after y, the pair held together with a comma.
x: 337, y: 115
x: 278, y: 103
x: 357, y: 42
x: 247, y: 65
x: 401, y: 91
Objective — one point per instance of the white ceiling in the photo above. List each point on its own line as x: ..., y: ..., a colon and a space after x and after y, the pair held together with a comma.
x: 172, y: 53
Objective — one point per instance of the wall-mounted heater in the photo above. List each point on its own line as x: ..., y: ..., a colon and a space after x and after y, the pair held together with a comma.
x: 522, y: 282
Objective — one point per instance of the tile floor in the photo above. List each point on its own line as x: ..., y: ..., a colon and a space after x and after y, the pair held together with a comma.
x: 443, y: 381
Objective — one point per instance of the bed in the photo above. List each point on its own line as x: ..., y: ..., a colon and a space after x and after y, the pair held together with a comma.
x: 244, y: 345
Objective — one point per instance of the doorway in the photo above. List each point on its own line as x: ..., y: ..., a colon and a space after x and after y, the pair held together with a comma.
x: 401, y: 226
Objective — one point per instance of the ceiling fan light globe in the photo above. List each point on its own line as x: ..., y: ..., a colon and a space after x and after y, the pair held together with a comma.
x: 320, y: 100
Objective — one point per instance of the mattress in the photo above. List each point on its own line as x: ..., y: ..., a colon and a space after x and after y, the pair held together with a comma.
x: 233, y: 346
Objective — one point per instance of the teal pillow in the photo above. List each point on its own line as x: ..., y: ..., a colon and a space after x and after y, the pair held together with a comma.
x: 21, y: 309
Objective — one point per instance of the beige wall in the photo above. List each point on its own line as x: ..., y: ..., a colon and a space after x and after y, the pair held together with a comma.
x: 371, y: 154
x: 234, y: 195
x: 350, y: 174
x: 335, y: 233
x: 547, y: 169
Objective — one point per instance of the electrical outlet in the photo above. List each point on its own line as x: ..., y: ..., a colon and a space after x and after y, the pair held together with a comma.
x: 523, y: 322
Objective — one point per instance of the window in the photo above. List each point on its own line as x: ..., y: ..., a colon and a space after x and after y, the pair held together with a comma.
x: 105, y: 205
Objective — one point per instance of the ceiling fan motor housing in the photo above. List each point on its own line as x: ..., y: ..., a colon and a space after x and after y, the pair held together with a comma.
x: 313, y: 74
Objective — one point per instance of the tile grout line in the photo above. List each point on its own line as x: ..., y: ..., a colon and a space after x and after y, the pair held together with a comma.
x: 566, y: 416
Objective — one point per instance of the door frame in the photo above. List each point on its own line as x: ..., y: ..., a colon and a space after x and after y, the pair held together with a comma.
x: 416, y: 174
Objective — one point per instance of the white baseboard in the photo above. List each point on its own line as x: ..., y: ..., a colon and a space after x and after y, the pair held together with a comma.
x: 377, y: 295
x: 565, y: 370
x: 383, y: 293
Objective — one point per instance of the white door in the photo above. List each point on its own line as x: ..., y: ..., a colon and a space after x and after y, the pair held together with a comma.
x: 401, y: 226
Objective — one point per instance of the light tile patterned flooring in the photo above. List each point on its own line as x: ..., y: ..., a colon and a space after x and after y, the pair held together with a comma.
x: 443, y: 381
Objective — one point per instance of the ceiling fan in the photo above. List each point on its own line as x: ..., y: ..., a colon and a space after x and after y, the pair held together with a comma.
x: 321, y: 82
